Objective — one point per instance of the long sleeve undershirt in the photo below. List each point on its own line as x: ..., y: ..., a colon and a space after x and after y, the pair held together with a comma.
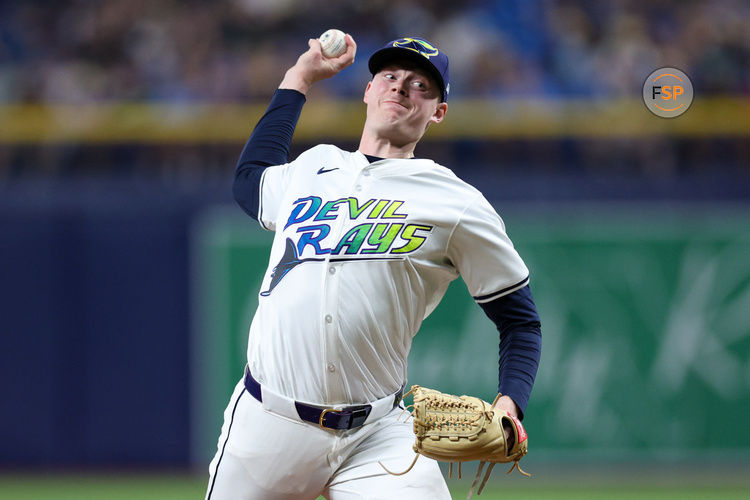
x: 520, y: 330
x: 514, y: 314
x: 268, y: 145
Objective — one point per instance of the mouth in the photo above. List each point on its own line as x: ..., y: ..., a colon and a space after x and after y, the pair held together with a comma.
x: 397, y: 103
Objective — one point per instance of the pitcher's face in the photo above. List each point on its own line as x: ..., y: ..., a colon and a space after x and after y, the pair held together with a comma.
x: 402, y: 101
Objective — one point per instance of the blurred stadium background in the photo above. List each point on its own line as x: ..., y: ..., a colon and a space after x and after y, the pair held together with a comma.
x: 129, y: 277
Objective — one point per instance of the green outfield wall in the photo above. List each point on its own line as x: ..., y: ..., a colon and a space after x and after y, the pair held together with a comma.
x: 645, y: 318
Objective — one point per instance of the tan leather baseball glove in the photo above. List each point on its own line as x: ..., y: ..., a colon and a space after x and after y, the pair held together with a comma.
x: 464, y: 428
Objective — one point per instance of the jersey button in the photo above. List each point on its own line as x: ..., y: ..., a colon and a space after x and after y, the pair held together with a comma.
x: 366, y: 173
x: 332, y: 270
x: 358, y: 188
x: 331, y: 368
x: 329, y: 318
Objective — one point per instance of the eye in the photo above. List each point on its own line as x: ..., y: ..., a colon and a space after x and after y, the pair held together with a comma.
x: 389, y: 76
x: 420, y: 85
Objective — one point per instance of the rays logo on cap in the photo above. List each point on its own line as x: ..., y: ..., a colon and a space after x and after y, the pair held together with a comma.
x: 419, y: 46
x: 419, y: 51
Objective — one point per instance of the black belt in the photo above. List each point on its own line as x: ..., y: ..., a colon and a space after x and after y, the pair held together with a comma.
x: 330, y: 418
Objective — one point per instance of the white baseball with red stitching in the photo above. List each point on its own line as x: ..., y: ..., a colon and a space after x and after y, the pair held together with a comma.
x: 333, y: 43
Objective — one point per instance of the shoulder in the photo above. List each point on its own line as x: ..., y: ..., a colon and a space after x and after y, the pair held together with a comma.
x: 322, y: 151
x: 452, y: 181
x: 468, y: 199
x: 316, y: 157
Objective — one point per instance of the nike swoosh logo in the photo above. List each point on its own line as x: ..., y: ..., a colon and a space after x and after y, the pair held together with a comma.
x: 323, y: 170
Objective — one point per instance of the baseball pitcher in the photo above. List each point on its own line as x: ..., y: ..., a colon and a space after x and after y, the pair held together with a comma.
x: 366, y: 243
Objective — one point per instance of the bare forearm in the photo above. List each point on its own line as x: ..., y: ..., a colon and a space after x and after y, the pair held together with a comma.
x: 295, y: 80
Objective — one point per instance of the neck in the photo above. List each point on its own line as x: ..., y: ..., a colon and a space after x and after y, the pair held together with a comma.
x: 384, y: 148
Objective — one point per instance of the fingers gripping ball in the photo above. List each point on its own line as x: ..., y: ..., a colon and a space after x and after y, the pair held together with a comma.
x: 464, y: 428
x: 333, y: 43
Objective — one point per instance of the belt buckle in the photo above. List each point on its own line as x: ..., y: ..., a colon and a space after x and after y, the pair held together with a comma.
x: 359, y: 417
x: 323, y: 415
x: 355, y: 417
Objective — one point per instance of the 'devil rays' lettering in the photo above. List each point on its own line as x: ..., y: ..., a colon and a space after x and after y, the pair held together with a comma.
x: 313, y: 206
x: 371, y: 240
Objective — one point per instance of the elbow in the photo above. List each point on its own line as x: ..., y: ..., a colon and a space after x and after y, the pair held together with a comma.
x: 238, y: 192
x: 246, y: 191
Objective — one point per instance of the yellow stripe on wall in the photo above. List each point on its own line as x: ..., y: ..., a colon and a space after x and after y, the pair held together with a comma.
x: 137, y: 122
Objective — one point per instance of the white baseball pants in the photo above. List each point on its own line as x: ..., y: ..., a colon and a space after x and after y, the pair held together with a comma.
x: 264, y: 456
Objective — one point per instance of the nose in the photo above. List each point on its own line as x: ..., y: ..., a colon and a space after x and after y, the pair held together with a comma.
x: 400, y: 87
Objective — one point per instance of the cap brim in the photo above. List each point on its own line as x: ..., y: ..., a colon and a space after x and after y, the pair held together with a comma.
x: 388, y: 54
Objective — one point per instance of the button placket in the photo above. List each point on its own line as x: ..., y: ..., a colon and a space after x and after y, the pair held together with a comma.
x: 330, y: 328
x: 330, y: 313
x: 331, y: 277
x: 362, y: 182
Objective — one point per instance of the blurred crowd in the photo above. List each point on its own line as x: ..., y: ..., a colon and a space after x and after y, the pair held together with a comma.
x: 230, y: 50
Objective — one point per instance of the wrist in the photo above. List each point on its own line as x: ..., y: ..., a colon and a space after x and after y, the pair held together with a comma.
x: 294, y: 80
x: 507, y: 404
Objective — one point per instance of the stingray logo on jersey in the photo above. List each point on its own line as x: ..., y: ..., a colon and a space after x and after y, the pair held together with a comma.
x: 381, y: 234
x: 421, y: 46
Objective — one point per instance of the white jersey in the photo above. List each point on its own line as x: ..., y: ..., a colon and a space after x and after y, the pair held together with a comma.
x: 363, y: 252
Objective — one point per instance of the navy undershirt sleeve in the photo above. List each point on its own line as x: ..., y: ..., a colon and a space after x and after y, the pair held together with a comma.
x: 520, y: 330
x: 268, y: 145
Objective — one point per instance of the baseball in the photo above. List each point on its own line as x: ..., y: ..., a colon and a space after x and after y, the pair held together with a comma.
x: 333, y: 43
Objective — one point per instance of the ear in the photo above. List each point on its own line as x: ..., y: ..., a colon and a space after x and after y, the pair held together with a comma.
x: 440, y: 112
x: 367, y: 89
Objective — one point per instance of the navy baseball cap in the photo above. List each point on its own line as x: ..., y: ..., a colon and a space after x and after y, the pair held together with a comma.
x: 418, y: 50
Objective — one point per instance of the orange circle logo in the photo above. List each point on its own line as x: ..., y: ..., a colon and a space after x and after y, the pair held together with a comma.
x: 668, y: 92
